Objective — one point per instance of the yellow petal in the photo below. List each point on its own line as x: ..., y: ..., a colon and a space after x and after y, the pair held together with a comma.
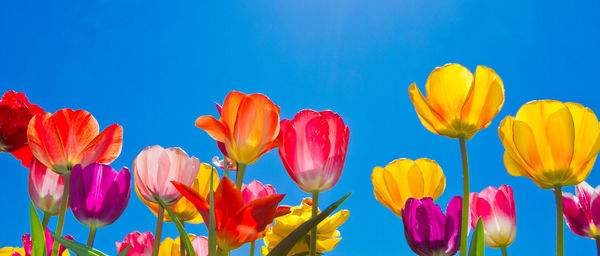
x: 333, y: 222
x: 560, y: 134
x: 485, y: 98
x: 447, y: 88
x: 514, y: 162
x: 587, y: 136
x: 429, y: 118
x: 381, y: 190
x: 434, y: 181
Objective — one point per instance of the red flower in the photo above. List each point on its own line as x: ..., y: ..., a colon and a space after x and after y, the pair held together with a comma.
x: 15, y: 113
x: 236, y: 223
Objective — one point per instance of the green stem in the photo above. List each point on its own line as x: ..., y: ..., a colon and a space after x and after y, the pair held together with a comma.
x: 61, y: 215
x: 313, y: 232
x: 225, y: 167
x: 598, y: 246
x: 45, y: 220
x: 559, y: 220
x: 239, y: 178
x: 504, y: 253
x: 158, y: 232
x: 464, y: 226
x: 91, y: 236
x: 181, y: 245
x: 252, y: 245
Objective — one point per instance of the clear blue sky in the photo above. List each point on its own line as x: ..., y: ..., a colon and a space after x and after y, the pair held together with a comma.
x: 155, y: 66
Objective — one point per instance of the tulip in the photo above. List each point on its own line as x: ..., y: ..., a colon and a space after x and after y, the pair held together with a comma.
x: 99, y: 195
x: 458, y: 105
x: 328, y: 236
x: 68, y: 138
x: 140, y: 244
x: 236, y: 223
x: 11, y: 251
x: 582, y: 211
x: 428, y: 231
x: 496, y: 208
x: 248, y: 127
x: 153, y: 169
x: 15, y: 113
x: 255, y: 190
x: 45, y: 189
x: 28, y: 244
x: 553, y: 143
x: 172, y: 247
x: 404, y: 178
x: 184, y: 209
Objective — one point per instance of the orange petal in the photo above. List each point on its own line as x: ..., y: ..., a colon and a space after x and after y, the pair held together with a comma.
x: 212, y: 126
x: 230, y: 109
x: 45, y: 144
x: 105, y: 148
x: 76, y: 130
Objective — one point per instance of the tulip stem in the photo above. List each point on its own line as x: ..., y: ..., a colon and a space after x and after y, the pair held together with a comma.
x: 181, y: 245
x: 559, y: 220
x: 598, y: 246
x: 91, y: 235
x: 464, y: 228
x: 225, y: 167
x: 313, y: 232
x: 252, y: 244
x: 45, y: 220
x: 504, y: 253
x: 61, y: 216
x: 158, y: 232
x: 239, y: 178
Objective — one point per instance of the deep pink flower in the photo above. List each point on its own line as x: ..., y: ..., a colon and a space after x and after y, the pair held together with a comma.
x: 99, y: 194
x: 140, y: 244
x: 496, y: 207
x: 255, y: 190
x: 582, y: 212
x: 314, y: 149
x: 28, y: 244
x: 45, y: 188
x: 428, y: 231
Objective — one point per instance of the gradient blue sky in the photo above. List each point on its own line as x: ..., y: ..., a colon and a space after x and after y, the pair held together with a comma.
x: 155, y: 66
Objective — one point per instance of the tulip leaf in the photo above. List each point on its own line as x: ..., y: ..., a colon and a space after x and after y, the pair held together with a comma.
x: 212, y: 226
x: 300, y: 232
x: 477, y: 246
x: 183, y: 236
x: 124, y: 252
x: 77, y: 248
x: 37, y: 233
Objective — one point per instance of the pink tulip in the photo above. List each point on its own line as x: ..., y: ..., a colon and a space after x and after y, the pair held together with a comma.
x: 155, y: 167
x: 256, y: 190
x: 314, y: 149
x: 582, y: 212
x: 200, y: 244
x: 496, y: 207
x: 45, y: 188
x: 140, y: 244
x: 28, y: 244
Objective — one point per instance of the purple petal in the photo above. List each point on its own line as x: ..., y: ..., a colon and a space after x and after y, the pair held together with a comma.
x: 595, y: 210
x: 453, y: 219
x: 574, y: 215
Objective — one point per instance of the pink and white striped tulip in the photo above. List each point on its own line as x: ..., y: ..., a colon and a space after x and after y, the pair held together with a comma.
x: 582, y: 212
x: 45, y: 188
x: 496, y: 207
x: 140, y: 244
x: 155, y: 167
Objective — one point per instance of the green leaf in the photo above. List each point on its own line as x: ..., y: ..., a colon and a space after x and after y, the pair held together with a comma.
x: 124, y: 252
x: 78, y: 249
x: 183, y: 236
x: 477, y: 246
x: 212, y: 226
x: 289, y: 241
x: 37, y: 233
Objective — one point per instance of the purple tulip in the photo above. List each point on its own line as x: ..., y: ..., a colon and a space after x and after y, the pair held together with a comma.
x: 428, y: 231
x: 582, y: 212
x: 99, y: 194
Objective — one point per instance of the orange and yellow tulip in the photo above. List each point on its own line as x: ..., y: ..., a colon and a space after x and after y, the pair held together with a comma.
x: 248, y: 126
x: 458, y: 104
x: 404, y: 178
x: 553, y: 143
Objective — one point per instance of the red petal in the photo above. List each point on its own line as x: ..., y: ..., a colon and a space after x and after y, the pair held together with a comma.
x: 105, y: 148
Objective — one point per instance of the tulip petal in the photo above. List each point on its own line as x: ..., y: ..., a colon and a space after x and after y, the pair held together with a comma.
x: 485, y: 98
x: 587, y: 137
x: 230, y: 109
x: 574, y: 216
x: 105, y: 147
x: 447, y: 89
x: 430, y: 119
x: 213, y: 127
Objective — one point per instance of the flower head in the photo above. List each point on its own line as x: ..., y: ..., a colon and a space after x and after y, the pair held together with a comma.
x: 28, y: 244
x: 582, y: 211
x: 327, y: 234
x: 170, y: 247
x: 496, y: 208
x: 553, y: 143
x: 458, y: 104
x: 404, y: 178
x: 140, y: 244
x: 45, y: 188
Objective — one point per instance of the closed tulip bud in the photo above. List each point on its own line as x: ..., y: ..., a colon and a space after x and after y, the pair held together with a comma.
x: 496, y: 208
x: 582, y: 211
x: 45, y: 188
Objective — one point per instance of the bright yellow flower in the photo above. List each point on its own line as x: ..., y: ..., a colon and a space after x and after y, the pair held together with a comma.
x: 327, y: 235
x: 404, y: 178
x: 458, y: 104
x: 553, y: 143
x: 8, y: 251
x: 170, y: 247
x: 184, y: 209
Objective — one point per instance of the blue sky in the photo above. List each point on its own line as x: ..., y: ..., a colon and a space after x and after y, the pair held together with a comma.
x: 155, y: 66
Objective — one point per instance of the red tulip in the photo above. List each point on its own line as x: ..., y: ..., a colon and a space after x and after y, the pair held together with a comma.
x: 236, y: 223
x: 15, y: 113
x: 314, y: 149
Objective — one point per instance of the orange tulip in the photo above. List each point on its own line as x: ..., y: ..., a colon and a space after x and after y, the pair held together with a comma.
x: 249, y: 126
x: 67, y: 138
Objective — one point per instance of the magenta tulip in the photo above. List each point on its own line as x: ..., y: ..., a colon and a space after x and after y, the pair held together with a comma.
x: 140, y: 244
x: 314, y: 148
x: 28, y: 244
x: 582, y: 212
x: 496, y: 208
x: 45, y: 188
x: 428, y: 231
x: 99, y: 194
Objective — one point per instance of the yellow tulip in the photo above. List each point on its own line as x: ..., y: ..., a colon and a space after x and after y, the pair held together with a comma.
x: 170, y: 247
x: 9, y: 251
x: 404, y: 178
x: 327, y: 234
x: 184, y: 209
x: 458, y: 104
x: 553, y: 143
